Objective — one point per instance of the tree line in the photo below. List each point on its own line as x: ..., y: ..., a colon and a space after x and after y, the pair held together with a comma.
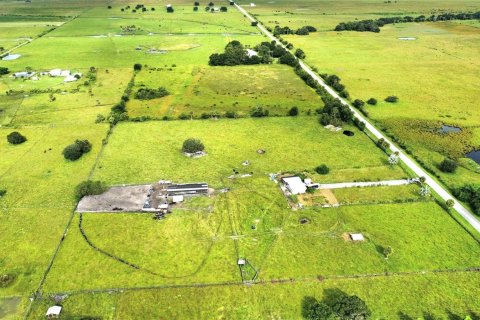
x: 303, y: 31
x: 375, y: 25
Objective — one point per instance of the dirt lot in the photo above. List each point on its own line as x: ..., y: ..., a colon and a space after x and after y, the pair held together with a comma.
x: 121, y: 199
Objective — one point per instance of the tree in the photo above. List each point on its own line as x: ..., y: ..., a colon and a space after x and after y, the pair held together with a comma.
x: 312, y: 309
x: 170, y: 9
x: 300, y: 54
x: 450, y: 203
x: 288, y: 59
x: 192, y: 145
x: 195, y: 8
x: 387, y: 252
x: 293, y: 112
x: 358, y: 103
x: 16, y: 138
x: 223, y: 9
x: 211, y: 4
x: 322, y: 169
x: 109, y: 7
x: 3, y: 70
x: 137, y: 67
x: 372, y: 101
x: 351, y: 307
x: 77, y: 149
x: 391, y: 99
x: 448, y: 165
x: 196, y: 3
x: 89, y: 188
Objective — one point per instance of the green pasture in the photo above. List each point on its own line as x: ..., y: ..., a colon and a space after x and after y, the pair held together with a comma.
x: 291, y: 144
x: 196, y: 90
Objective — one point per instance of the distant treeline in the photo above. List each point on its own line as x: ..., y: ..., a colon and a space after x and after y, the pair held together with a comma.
x: 375, y: 25
x: 303, y: 31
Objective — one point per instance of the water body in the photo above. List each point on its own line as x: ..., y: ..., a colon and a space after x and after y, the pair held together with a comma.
x: 447, y: 129
x: 474, y: 155
x: 11, y: 57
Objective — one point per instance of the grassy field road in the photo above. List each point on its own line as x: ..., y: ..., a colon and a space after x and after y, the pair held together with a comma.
x: 433, y: 184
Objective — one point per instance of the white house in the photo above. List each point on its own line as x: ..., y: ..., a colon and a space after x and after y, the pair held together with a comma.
x: 357, y: 237
x: 59, y: 73
x: 53, y: 312
x: 295, y: 185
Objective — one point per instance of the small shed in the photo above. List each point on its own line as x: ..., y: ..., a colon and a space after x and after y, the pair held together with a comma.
x: 295, y: 185
x: 357, y: 237
x: 53, y: 312
x: 251, y: 53
x: 177, y: 199
x: 241, y: 262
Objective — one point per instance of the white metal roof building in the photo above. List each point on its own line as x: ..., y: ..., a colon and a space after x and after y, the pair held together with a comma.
x: 357, y: 237
x: 295, y: 185
x: 53, y: 312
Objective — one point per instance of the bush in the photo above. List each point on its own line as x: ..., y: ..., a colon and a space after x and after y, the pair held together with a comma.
x: 148, y: 94
x: 300, y: 54
x: 358, y: 103
x: 391, y: 99
x: 322, y: 169
x: 16, y: 138
x: 288, y: 59
x: 3, y: 192
x: 89, y: 188
x: 192, y: 145
x: 293, y: 112
x: 259, y: 112
x: 6, y: 280
x: 471, y: 194
x: 3, y: 70
x: 448, y: 166
x: 137, y: 67
x: 77, y: 149
x: 231, y: 114
x: 372, y: 101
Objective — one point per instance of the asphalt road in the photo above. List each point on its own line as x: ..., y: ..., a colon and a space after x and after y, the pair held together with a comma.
x: 419, y: 171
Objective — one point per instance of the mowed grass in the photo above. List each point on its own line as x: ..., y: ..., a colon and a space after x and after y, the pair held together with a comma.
x: 292, y: 144
x: 215, y: 90
x: 387, y: 297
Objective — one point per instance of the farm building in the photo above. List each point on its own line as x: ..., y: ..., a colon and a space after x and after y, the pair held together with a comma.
x: 73, y: 77
x: 295, y: 185
x: 24, y: 74
x: 251, y: 53
x: 187, y: 189
x: 53, y: 312
x: 357, y: 237
x: 59, y: 73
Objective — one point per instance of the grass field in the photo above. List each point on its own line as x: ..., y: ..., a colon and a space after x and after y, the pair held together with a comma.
x: 379, y: 65
x: 185, y: 265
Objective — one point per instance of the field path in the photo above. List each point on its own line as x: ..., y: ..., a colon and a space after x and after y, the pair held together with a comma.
x: 417, y: 169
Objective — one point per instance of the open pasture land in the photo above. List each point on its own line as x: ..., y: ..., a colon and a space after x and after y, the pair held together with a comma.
x: 215, y: 90
x: 291, y: 145
x: 434, y: 75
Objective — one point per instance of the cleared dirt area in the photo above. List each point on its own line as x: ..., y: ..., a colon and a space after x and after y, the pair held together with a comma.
x: 122, y: 199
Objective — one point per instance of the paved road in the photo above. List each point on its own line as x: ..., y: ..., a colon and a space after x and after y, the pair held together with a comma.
x: 343, y: 185
x: 419, y: 171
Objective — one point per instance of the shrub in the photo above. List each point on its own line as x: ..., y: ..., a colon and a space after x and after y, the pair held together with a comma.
x: 293, y: 112
x: 471, y: 194
x: 3, y: 192
x: 89, y: 188
x: 16, y: 138
x: 77, y: 149
x: 358, y: 103
x: 372, y: 101
x: 148, y: 94
x: 288, y: 59
x: 183, y: 116
x: 448, y: 166
x: 391, y: 99
x: 259, y: 112
x: 137, y: 67
x: 344, y: 94
x: 300, y: 54
x: 450, y: 203
x: 322, y: 169
x: 3, y: 70
x: 192, y: 145
x: 231, y: 114
x: 6, y: 280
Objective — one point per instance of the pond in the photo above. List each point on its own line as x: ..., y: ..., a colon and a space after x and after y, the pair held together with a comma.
x: 474, y: 155
x: 11, y: 57
x: 447, y: 129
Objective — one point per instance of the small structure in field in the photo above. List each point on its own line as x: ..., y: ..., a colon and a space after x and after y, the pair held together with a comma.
x: 295, y: 185
x: 357, y: 237
x: 24, y: 74
x: 59, y: 73
x: 53, y: 312
x: 72, y: 77
x: 261, y: 151
x: 252, y: 4
x: 177, y: 199
x: 241, y: 262
x: 251, y: 53
x: 187, y: 189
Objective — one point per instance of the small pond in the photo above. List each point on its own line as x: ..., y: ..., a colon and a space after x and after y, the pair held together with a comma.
x: 474, y: 155
x: 447, y: 129
x: 348, y: 133
x: 11, y: 57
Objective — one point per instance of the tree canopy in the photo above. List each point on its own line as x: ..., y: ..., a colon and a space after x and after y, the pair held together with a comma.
x: 16, y: 138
